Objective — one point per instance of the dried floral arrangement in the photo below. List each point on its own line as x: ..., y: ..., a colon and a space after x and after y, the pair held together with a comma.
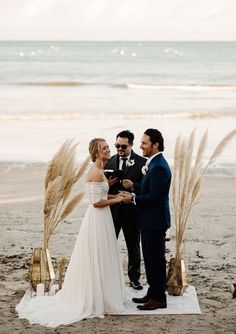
x: 186, y: 185
x: 61, y: 175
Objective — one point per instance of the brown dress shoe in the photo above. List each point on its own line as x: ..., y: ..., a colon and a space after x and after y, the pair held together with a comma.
x: 151, y: 305
x: 143, y: 300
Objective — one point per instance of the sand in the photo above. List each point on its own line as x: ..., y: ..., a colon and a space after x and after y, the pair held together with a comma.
x: 209, y: 253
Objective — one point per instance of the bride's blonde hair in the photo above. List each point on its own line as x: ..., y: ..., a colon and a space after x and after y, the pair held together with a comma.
x: 94, y: 148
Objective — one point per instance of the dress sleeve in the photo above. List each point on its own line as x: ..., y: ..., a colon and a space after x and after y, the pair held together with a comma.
x: 95, y: 192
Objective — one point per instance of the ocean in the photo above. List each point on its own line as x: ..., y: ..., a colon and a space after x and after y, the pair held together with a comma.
x: 51, y: 91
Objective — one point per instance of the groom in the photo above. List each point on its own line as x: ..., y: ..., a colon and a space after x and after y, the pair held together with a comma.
x: 154, y: 218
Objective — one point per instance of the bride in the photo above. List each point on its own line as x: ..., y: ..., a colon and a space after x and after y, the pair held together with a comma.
x: 94, y: 283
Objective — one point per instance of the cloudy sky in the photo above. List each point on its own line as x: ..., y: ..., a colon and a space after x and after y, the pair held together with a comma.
x: 118, y: 19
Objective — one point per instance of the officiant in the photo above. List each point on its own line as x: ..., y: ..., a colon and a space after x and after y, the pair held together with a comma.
x: 125, y: 215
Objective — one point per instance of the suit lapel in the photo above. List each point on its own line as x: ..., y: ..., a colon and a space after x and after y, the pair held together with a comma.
x: 117, y: 162
x: 132, y: 157
x: 113, y: 163
x: 155, y: 159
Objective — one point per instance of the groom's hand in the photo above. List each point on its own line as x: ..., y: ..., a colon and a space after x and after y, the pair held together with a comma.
x: 128, y: 184
x: 127, y: 197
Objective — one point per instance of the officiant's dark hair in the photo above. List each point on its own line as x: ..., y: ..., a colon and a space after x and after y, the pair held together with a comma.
x: 155, y: 137
x: 126, y: 134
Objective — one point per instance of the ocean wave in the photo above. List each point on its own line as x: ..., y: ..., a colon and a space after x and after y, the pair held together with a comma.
x: 52, y: 116
x: 226, y: 170
x: 178, y: 87
x: 134, y: 86
x: 211, y: 114
x: 52, y: 83
x: 220, y: 170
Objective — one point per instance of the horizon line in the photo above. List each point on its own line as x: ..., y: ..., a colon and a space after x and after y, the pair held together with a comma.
x: 118, y: 40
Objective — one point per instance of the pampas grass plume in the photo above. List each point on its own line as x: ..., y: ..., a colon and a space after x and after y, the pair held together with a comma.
x: 61, y: 175
x: 187, y: 178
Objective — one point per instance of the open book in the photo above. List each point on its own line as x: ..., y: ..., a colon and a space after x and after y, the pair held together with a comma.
x: 114, y: 173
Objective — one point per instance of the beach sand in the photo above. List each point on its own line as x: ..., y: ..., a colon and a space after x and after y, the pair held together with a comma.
x: 209, y: 253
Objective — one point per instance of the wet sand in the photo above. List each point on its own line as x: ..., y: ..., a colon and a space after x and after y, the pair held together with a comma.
x: 209, y: 253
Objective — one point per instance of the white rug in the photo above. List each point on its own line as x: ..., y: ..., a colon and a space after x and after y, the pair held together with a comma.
x: 185, y: 304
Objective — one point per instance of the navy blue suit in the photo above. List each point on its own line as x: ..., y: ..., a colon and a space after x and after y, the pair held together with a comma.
x: 154, y: 219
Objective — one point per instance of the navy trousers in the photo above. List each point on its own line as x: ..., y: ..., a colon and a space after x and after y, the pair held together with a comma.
x: 153, y: 245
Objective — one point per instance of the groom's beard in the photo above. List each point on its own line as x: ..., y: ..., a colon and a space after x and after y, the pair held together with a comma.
x: 148, y: 153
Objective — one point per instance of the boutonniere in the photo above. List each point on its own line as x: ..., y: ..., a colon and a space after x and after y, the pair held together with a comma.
x: 144, y: 169
x: 131, y: 163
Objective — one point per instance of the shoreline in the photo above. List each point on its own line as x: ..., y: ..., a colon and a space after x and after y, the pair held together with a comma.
x: 209, y: 253
x: 220, y: 170
x: 26, y: 181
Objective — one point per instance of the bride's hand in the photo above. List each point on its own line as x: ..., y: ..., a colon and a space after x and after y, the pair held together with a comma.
x: 127, y: 197
x: 123, y: 193
x: 119, y: 198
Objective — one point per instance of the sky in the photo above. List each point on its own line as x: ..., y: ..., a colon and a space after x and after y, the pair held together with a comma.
x: 118, y: 20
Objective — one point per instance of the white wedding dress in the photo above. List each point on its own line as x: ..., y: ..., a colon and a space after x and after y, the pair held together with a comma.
x: 94, y: 282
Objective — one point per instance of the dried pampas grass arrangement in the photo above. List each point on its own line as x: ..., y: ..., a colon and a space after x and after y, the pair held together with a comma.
x: 186, y: 184
x: 61, y: 175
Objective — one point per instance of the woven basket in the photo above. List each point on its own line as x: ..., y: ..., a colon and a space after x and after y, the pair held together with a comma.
x: 41, y: 269
x: 177, y: 278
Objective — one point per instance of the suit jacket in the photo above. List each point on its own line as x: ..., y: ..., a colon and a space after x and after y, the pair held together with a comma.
x: 153, y: 198
x: 133, y: 173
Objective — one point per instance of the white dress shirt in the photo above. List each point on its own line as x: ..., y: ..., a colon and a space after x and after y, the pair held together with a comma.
x: 121, y: 161
x: 150, y: 158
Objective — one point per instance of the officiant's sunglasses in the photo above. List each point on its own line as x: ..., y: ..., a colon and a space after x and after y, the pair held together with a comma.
x: 124, y: 147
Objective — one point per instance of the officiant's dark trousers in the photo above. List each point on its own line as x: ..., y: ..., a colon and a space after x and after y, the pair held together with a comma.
x: 153, y: 246
x: 126, y: 219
